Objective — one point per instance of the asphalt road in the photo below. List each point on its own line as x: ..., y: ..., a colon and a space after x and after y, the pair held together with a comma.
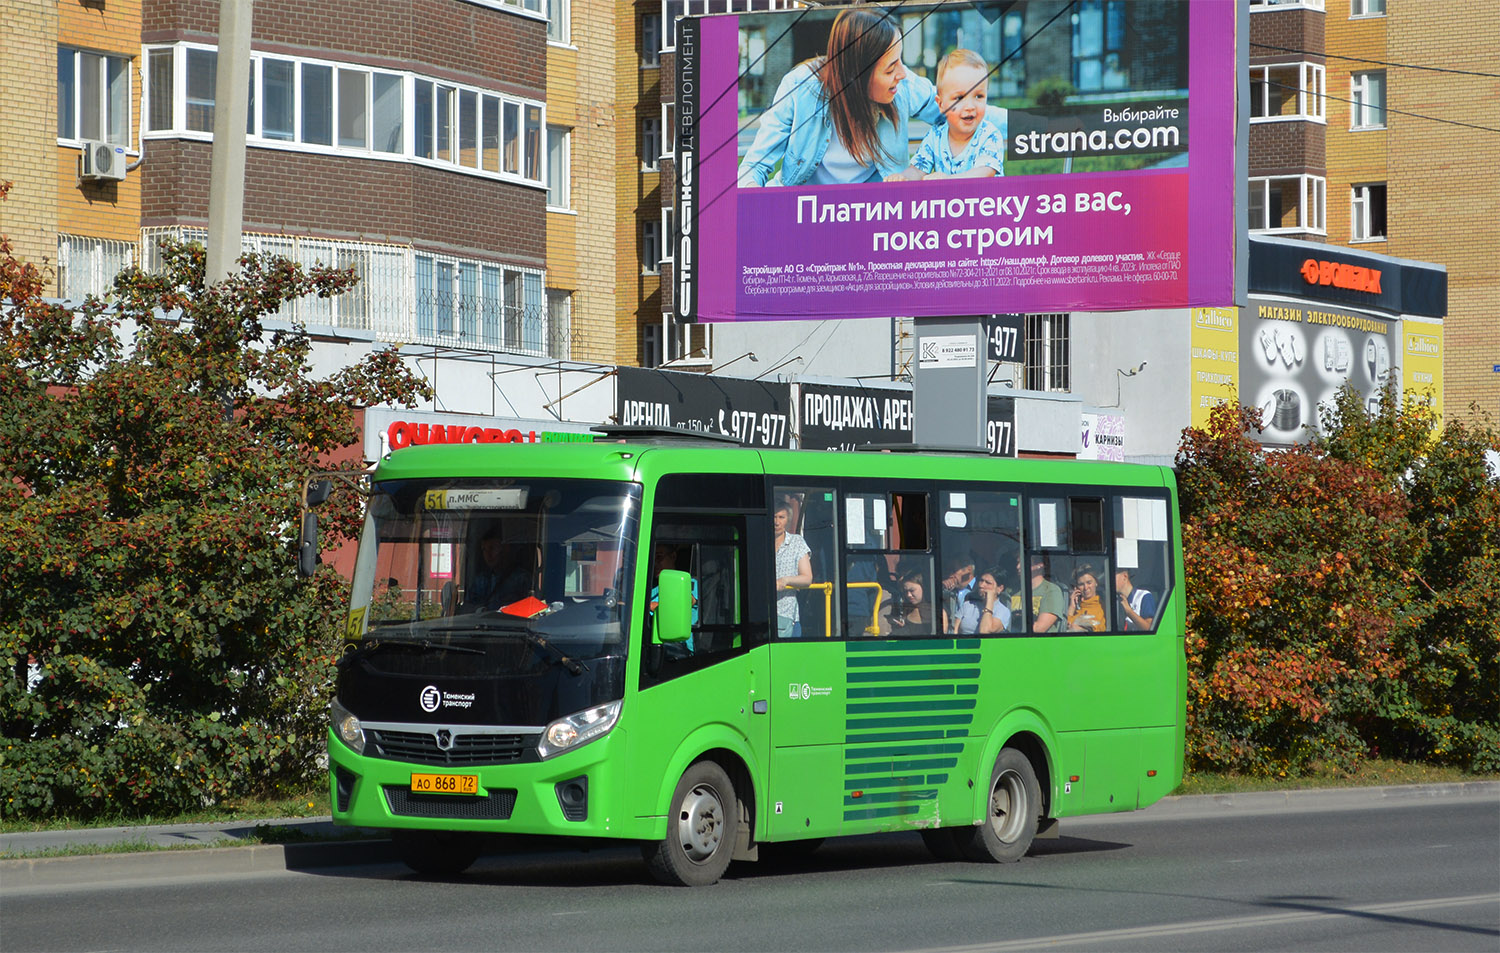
x: 1326, y: 874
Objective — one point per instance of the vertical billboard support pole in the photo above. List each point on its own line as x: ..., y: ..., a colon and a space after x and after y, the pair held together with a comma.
x: 949, y: 370
x: 226, y: 199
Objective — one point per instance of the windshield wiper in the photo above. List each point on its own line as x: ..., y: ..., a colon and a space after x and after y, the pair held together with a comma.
x: 562, y: 658
x: 375, y: 642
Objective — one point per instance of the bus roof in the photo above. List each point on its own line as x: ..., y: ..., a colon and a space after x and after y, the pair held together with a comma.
x: 631, y: 461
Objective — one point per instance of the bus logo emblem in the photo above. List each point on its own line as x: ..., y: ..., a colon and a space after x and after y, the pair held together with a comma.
x: 802, y: 691
x: 430, y: 698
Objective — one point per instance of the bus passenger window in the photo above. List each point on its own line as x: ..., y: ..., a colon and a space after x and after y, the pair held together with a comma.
x: 980, y: 532
x: 890, y: 583
x: 1143, y: 567
x: 804, y: 548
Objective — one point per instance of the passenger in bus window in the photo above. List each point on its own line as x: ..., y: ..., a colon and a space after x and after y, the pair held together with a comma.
x: 1138, y: 605
x: 987, y: 609
x: 1085, y: 610
x: 1048, y: 604
x: 793, y: 566
x: 958, y: 584
x: 914, y: 613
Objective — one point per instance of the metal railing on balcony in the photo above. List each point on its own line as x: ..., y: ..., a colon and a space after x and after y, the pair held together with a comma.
x: 406, y: 296
x: 87, y: 266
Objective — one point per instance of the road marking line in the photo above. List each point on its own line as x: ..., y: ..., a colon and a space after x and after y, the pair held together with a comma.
x: 1228, y: 923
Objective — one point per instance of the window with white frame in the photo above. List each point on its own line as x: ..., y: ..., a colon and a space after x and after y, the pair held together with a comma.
x: 651, y: 247
x: 93, y: 96
x: 1367, y: 100
x: 1291, y: 203
x: 669, y: 130
x: 1366, y: 8
x: 1047, y: 365
x: 675, y: 342
x: 672, y: 9
x: 558, y: 166
x: 558, y: 28
x: 1273, y: 4
x: 477, y: 304
x: 559, y: 321
x: 530, y: 6
x: 668, y: 233
x: 323, y: 106
x: 651, y: 143
x: 1287, y: 91
x: 1367, y: 212
x: 88, y: 266
x: 650, y: 40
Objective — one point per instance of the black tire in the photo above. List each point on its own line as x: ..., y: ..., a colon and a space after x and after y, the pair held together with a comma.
x: 943, y: 842
x: 1012, y: 812
x: 437, y: 853
x: 701, y: 829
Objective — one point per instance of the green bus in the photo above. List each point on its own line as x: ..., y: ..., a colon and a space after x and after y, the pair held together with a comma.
x: 709, y: 649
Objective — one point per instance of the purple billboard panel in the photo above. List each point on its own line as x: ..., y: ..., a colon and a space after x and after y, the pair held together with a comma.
x: 958, y: 158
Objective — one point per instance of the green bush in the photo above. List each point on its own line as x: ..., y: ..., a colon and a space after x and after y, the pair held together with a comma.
x: 160, y: 650
x: 1337, y: 592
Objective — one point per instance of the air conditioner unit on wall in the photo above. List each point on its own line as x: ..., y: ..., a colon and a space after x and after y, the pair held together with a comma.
x: 101, y: 162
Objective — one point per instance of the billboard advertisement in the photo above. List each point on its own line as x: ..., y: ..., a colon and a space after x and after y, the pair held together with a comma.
x: 1001, y: 156
x: 756, y: 413
x: 1215, y: 361
x: 1294, y: 358
x: 1422, y: 360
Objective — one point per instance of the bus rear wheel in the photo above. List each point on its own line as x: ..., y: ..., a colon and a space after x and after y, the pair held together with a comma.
x: 942, y: 842
x: 436, y: 853
x: 1012, y: 813
x: 701, y: 829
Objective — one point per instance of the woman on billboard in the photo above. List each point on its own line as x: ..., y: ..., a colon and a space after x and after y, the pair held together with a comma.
x: 842, y: 117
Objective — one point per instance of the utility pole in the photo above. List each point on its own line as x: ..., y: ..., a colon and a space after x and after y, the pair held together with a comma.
x: 226, y: 194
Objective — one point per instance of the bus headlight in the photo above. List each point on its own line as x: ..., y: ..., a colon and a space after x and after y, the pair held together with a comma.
x: 568, y: 733
x: 346, y: 725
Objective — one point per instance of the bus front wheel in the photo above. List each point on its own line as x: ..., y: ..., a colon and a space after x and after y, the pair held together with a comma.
x: 701, y: 829
x: 1011, y: 816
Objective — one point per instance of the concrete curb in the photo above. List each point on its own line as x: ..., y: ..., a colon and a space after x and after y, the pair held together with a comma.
x: 83, y: 870
x: 1314, y: 799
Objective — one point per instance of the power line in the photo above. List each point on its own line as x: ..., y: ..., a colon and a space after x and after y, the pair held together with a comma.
x: 929, y: 10
x: 1359, y: 59
x: 1387, y: 109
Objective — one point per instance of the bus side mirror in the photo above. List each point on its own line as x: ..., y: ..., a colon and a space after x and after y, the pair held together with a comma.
x: 314, y: 492
x: 318, y: 490
x: 307, y: 546
x: 674, y: 606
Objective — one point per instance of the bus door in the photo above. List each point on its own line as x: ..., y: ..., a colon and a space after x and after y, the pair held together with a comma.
x: 711, y: 682
x: 807, y: 678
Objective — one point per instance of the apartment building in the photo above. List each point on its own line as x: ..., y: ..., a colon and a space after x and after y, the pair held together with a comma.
x: 68, y: 133
x: 1373, y: 126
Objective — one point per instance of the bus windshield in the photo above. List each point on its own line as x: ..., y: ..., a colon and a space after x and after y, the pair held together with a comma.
x: 477, y: 563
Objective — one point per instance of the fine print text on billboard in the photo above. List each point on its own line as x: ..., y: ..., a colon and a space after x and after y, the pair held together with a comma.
x: 955, y: 158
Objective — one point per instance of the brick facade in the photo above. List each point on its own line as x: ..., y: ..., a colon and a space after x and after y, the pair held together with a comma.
x: 28, y: 127
x: 443, y: 38
x: 581, y: 247
x: 347, y: 197
x: 1444, y: 189
x: 344, y: 197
